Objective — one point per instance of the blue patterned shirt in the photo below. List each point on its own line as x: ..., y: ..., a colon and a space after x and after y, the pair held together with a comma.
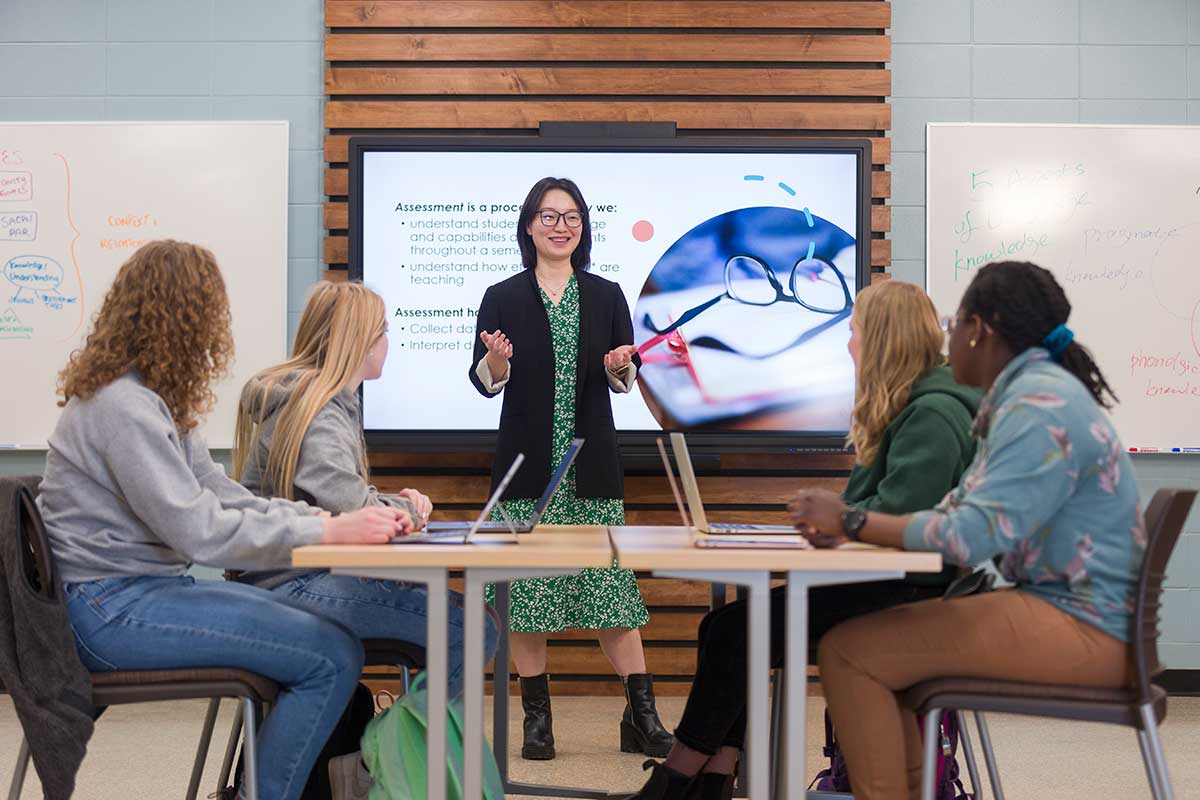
x: 1051, y: 491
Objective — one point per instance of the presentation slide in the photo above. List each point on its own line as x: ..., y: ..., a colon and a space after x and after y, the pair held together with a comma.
x: 739, y: 270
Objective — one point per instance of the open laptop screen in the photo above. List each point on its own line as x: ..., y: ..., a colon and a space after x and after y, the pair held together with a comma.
x: 568, y: 458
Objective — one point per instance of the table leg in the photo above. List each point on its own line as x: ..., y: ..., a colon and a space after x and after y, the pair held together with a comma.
x: 437, y: 672
x: 436, y: 580
x: 476, y: 579
x: 758, y: 585
x: 796, y: 665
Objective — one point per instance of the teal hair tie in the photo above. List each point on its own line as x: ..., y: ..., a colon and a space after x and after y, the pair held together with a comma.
x: 1057, y: 341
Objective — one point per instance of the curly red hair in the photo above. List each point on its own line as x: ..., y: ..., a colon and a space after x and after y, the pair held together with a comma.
x: 165, y: 316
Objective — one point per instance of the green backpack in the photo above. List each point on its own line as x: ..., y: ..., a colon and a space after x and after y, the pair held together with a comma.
x: 393, y: 748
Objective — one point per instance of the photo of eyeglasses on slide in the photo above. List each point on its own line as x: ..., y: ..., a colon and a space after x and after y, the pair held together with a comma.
x: 745, y: 319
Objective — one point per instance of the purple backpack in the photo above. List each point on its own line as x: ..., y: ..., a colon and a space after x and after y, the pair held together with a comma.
x: 836, y: 778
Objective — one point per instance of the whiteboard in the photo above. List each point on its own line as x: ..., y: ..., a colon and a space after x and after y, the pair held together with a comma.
x: 77, y: 199
x: 1114, y: 212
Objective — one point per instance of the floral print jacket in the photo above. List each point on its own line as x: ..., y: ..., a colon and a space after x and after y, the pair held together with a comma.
x: 1051, y: 491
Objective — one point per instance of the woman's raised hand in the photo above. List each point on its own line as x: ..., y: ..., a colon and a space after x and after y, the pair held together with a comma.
x: 371, y: 525
x: 500, y: 350
x: 618, y: 358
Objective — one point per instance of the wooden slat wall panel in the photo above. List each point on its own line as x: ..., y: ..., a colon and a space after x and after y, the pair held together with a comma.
x: 761, y: 68
x: 608, y: 47
x: 605, y: 14
x: 337, y: 149
x: 556, y: 80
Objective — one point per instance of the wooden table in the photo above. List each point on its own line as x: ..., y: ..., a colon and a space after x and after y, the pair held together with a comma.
x: 549, y: 551
x: 669, y: 553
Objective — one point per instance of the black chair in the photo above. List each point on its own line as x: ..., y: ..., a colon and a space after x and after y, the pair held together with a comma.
x: 1142, y: 707
x: 125, y: 687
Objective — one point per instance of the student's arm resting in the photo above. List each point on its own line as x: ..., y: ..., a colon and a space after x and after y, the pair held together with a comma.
x: 1021, y: 476
x: 148, y: 465
x: 327, y: 469
x: 232, y: 494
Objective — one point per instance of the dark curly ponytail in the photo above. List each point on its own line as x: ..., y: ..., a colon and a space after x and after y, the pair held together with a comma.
x: 1023, y: 303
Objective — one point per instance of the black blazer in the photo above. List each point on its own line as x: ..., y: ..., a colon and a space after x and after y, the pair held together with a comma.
x: 526, y: 419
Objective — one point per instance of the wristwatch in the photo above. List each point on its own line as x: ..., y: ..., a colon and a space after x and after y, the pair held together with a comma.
x: 853, y: 520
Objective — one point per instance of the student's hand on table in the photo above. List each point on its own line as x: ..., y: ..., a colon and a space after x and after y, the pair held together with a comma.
x: 422, y: 503
x: 372, y: 525
x: 500, y: 350
x: 817, y: 514
x: 617, y: 359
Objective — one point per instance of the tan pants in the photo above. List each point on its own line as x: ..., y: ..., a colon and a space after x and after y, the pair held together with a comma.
x: 1004, y: 635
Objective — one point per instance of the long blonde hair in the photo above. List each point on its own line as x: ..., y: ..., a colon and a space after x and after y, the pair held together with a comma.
x: 899, y: 340
x: 166, y: 316
x: 339, y: 324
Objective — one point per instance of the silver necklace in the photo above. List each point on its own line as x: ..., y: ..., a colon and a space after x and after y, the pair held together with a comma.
x: 555, y: 291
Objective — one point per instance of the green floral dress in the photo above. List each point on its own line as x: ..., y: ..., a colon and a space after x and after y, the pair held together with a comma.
x: 596, y: 598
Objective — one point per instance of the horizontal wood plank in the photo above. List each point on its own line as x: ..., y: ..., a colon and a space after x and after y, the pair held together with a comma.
x: 664, y: 626
x: 881, y: 218
x: 608, y: 47
x: 336, y: 248
x: 605, y: 14
x: 717, y: 490
x: 559, y: 80
x: 337, y: 147
x: 525, y: 114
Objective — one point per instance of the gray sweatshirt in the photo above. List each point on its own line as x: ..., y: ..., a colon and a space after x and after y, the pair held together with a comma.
x: 329, y: 467
x: 125, y: 494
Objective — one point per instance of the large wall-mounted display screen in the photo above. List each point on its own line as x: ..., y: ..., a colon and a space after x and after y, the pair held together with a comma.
x: 740, y: 262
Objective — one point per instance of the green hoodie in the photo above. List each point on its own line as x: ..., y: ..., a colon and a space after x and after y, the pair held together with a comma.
x: 923, y: 452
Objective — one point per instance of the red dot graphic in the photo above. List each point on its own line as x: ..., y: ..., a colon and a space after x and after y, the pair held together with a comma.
x: 643, y: 231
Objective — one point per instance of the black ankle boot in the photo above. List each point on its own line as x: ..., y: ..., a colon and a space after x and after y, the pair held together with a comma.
x: 711, y: 786
x: 539, y: 723
x: 641, y: 729
x: 664, y: 784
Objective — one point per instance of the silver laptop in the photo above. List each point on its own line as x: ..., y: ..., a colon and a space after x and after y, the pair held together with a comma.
x: 523, y: 526
x: 460, y: 534
x: 764, y: 541
x: 691, y: 490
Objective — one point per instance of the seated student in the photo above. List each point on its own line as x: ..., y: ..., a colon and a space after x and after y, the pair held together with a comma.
x: 911, y: 428
x: 131, y: 498
x: 1051, y: 491
x: 300, y: 435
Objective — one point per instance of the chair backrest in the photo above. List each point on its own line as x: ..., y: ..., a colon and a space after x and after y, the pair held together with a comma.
x: 1164, y: 520
x: 35, y: 545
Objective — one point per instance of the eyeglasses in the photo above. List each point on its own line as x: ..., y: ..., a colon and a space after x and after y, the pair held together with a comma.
x: 549, y: 217
x: 813, y: 283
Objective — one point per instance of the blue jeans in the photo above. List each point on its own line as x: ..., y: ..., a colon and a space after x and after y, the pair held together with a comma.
x: 377, y: 609
x: 170, y: 623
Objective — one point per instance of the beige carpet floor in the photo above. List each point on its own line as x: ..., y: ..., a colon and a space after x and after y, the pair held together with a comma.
x: 146, y: 752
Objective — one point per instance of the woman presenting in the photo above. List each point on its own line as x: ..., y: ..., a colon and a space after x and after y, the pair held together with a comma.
x: 556, y: 339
